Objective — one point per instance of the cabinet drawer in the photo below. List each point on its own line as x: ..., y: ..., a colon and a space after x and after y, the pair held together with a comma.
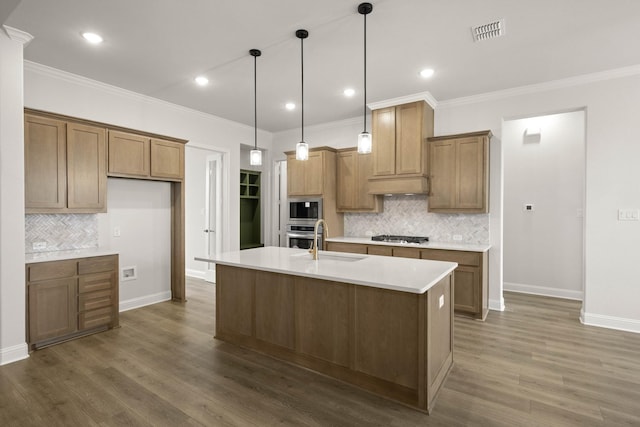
x: 462, y: 258
x: 347, y: 247
x: 94, y: 300
x: 380, y: 250
x: 51, y: 270
x: 97, y: 264
x: 406, y: 252
x: 95, y: 318
x: 95, y: 282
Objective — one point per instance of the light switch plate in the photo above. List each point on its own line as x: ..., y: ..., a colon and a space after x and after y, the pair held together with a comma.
x: 628, y: 215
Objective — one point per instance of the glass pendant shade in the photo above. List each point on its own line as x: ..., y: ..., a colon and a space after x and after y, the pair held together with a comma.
x: 302, y: 151
x: 364, y: 143
x: 255, y: 158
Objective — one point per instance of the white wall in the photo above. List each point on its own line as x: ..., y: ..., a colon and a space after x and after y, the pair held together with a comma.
x: 611, y: 286
x: 142, y: 212
x: 12, y: 280
x: 543, y: 247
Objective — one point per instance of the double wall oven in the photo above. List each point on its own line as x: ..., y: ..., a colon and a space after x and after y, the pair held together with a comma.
x: 303, y: 214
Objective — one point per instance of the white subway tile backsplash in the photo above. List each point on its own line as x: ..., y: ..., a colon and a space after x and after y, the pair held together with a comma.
x: 408, y: 215
x: 56, y: 232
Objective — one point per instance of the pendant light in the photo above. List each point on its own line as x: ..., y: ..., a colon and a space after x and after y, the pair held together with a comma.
x: 302, y: 148
x: 364, y: 139
x: 255, y: 157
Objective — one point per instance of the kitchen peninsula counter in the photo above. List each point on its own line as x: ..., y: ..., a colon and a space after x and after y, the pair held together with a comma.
x: 383, y: 324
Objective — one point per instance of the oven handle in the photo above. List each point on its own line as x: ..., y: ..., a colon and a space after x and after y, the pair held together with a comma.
x: 302, y: 235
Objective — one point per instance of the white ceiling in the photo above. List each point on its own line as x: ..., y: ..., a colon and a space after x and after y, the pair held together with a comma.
x: 157, y: 47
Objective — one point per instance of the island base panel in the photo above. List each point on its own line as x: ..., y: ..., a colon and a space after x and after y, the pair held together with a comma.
x: 396, y: 344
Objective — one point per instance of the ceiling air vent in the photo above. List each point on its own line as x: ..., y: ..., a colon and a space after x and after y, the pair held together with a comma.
x: 488, y: 31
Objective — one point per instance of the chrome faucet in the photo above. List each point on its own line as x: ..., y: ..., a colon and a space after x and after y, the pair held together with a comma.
x: 314, y: 245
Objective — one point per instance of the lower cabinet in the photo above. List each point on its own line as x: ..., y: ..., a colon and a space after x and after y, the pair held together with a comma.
x: 470, y: 277
x: 70, y: 298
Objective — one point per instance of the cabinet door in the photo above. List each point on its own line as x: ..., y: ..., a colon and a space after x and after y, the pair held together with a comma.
x: 442, y: 174
x: 467, y: 289
x: 128, y: 154
x: 314, y: 174
x: 167, y: 159
x: 347, y: 175
x: 52, y: 309
x: 384, y: 141
x: 409, y: 138
x: 470, y: 182
x: 86, y: 167
x: 295, y: 176
x: 45, y: 163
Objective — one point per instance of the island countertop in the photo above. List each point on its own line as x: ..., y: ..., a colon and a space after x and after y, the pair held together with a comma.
x: 400, y: 274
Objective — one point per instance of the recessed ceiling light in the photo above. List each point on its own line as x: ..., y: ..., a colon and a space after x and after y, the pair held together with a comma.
x: 426, y: 73
x: 290, y: 106
x: 92, y: 38
x: 349, y: 92
x: 201, y: 81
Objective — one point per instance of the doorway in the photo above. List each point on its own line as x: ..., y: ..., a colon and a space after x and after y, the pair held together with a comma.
x: 544, y: 191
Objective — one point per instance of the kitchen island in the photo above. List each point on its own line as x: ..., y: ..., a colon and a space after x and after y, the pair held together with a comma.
x: 384, y: 324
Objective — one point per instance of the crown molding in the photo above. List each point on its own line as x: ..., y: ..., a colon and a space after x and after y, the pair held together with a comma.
x: 543, y: 87
x: 18, y: 35
x: 115, y: 90
x: 422, y: 96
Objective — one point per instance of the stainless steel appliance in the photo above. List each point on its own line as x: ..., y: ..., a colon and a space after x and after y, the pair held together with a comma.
x: 399, y: 239
x: 305, y: 210
x: 301, y: 236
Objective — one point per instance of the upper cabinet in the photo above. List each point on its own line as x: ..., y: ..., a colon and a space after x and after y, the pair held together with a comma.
x: 352, y: 190
x: 311, y: 177
x: 64, y: 166
x: 138, y: 156
x: 459, y: 173
x: 399, y: 148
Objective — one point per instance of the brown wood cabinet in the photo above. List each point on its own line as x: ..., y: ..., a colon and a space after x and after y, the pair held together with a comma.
x: 459, y: 173
x: 352, y: 191
x: 396, y: 344
x: 139, y: 156
x: 399, y: 148
x: 71, y: 298
x: 64, y: 166
x: 470, y: 277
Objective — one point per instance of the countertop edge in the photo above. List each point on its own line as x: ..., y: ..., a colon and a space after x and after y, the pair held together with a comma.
x: 431, y: 245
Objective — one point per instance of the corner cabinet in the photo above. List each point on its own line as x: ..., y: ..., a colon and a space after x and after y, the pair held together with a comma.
x: 399, y: 148
x: 250, y: 216
x: 352, y: 182
x: 459, y: 173
x: 65, y: 166
x: 71, y: 298
x: 470, y: 277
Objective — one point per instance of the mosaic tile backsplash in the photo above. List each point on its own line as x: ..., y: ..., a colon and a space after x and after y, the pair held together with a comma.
x: 61, y: 232
x: 407, y: 215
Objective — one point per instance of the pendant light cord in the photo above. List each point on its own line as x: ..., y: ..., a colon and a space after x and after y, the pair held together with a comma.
x: 255, y: 101
x: 302, y: 83
x: 365, y: 75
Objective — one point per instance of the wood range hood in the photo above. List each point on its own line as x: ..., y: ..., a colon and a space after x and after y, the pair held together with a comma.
x: 399, y: 146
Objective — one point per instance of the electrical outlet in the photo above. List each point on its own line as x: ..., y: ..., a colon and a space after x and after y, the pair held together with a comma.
x: 116, y: 231
x: 457, y: 237
x: 38, y: 246
x: 441, y: 301
x: 128, y: 273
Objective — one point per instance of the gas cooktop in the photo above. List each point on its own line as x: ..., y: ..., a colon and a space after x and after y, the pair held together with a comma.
x: 399, y: 239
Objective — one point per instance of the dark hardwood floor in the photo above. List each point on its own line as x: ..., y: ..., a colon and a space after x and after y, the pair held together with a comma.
x: 533, y: 364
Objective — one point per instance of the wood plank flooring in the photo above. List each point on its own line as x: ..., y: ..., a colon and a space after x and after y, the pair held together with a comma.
x: 532, y: 365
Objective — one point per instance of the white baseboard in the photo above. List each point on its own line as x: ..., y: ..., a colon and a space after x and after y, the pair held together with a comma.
x: 544, y: 291
x: 496, y: 304
x: 13, y: 353
x: 145, y: 300
x: 610, y: 322
x: 195, y: 273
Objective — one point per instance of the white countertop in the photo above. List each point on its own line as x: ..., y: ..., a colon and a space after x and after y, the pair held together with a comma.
x: 399, y: 274
x: 428, y: 245
x: 70, y: 254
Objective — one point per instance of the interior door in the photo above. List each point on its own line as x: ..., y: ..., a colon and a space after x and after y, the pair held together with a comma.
x: 213, y: 215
